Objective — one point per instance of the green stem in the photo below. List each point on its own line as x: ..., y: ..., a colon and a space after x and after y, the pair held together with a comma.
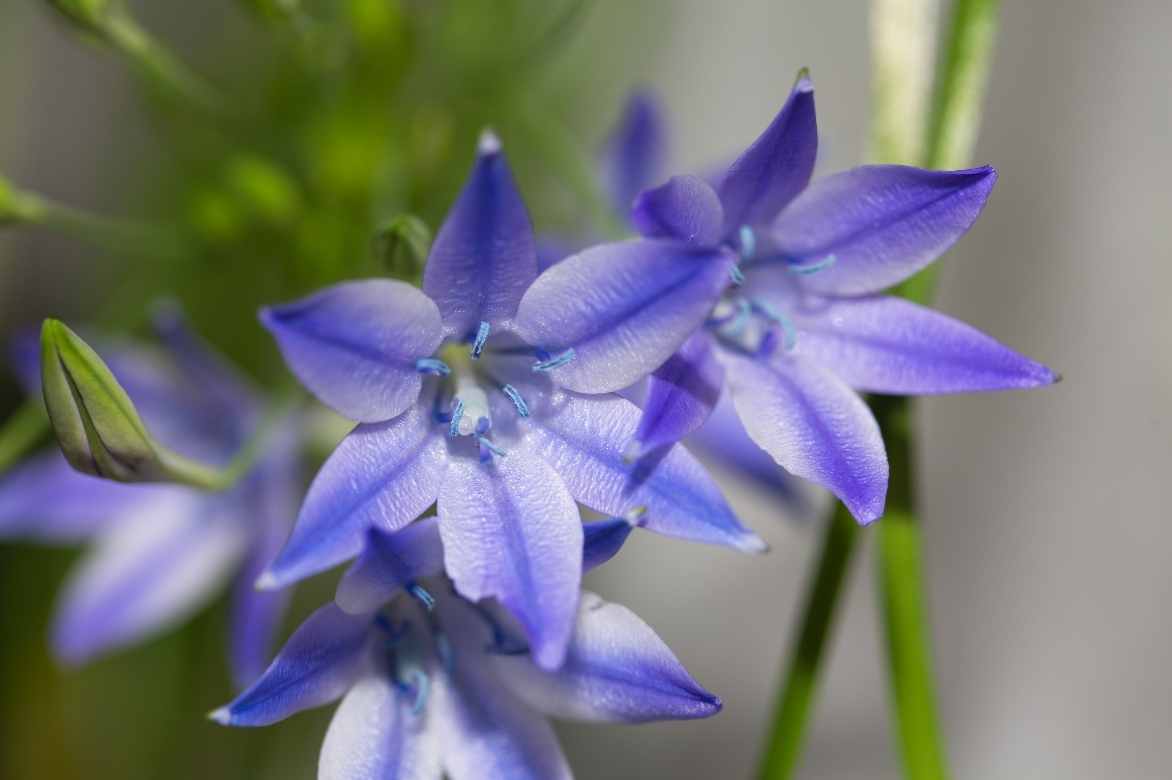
x: 791, y: 711
x: 159, y: 65
x: 20, y: 432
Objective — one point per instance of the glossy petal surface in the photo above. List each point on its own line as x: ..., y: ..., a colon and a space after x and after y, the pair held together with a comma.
x: 685, y: 208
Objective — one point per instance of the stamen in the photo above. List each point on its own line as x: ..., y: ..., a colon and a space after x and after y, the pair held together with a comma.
x: 488, y: 449
x: 815, y: 267
x: 502, y: 642
x: 788, y: 330
x: 457, y: 416
x: 481, y: 338
x: 557, y: 361
x: 432, y: 366
x: 518, y: 401
x: 636, y: 516
x: 748, y: 242
x: 737, y: 275
x: 736, y: 326
x: 422, y: 689
x: 421, y: 595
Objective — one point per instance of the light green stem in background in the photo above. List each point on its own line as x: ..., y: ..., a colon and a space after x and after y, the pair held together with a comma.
x: 903, y: 38
x: 158, y: 64
x: 792, y: 710
x: 20, y: 432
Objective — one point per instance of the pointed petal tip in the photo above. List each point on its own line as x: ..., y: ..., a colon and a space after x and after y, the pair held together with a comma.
x: 221, y: 715
x: 268, y: 580
x: 489, y: 143
x: 751, y: 543
x: 803, y: 83
x: 712, y: 704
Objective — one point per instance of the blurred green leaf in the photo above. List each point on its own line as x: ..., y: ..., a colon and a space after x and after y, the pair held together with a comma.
x: 402, y: 245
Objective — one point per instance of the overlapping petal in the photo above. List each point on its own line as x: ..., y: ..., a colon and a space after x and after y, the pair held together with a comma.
x: 680, y: 394
x: 814, y: 426
x: 874, y: 226
x: 317, y: 665
x: 634, y: 155
x: 602, y: 540
x: 617, y: 669
x: 778, y: 165
x: 512, y: 531
x: 622, y: 308
x: 390, y: 562
x: 686, y: 208
x: 354, y: 345
x: 484, y: 256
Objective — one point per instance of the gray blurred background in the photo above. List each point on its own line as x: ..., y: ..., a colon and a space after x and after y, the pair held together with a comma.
x: 1047, y: 514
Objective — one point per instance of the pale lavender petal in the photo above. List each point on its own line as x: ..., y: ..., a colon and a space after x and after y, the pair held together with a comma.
x: 484, y: 256
x: 889, y: 345
x: 584, y: 439
x: 814, y: 426
x: 778, y: 165
x: 602, y: 540
x: 622, y: 308
x: 512, y: 531
x: 685, y: 208
x: 375, y: 735
x: 319, y: 663
x: 617, y: 669
x: 45, y: 500
x: 381, y: 476
x: 871, y: 227
x: 388, y: 563
x: 355, y: 345
x: 634, y: 155
x: 149, y: 572
x: 680, y: 394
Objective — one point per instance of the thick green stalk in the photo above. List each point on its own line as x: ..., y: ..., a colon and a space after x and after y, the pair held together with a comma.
x: 792, y: 710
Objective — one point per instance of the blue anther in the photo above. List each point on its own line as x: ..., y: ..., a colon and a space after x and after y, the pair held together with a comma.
x: 557, y: 361
x: 748, y: 242
x: 815, y: 267
x: 483, y: 426
x: 518, y: 401
x: 421, y: 595
x: 432, y: 366
x: 457, y: 415
x: 481, y: 338
x: 488, y: 449
x: 737, y: 275
x: 422, y: 689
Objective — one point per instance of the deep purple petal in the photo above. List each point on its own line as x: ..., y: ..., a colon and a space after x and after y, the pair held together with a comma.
x: 771, y: 172
x: 484, y: 257
x: 634, y: 155
x: 512, y: 531
x: 354, y: 345
x: 685, y: 208
x: 617, y: 670
x: 375, y: 735
x: 584, y: 439
x: 623, y: 308
x: 45, y: 500
x: 147, y: 573
x: 388, y: 563
x: 552, y: 249
x: 814, y: 426
x: 317, y: 665
x: 602, y: 540
x: 381, y: 476
x: 876, y: 225
x: 680, y: 394
x: 889, y: 345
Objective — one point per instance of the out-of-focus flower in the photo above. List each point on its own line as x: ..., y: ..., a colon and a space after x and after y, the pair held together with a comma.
x: 458, y: 411
x: 796, y: 322
x: 159, y: 552
x: 436, y: 685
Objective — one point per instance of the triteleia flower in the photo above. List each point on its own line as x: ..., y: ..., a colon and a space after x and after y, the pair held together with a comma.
x: 433, y: 685
x: 456, y: 410
x: 159, y: 552
x: 796, y: 325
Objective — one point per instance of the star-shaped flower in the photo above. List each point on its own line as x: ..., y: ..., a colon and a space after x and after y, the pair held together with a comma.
x: 456, y: 410
x: 437, y: 685
x: 775, y: 286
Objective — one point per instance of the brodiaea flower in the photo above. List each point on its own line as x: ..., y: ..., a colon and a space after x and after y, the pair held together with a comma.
x: 160, y: 552
x: 438, y: 686
x: 796, y: 323
x: 457, y: 410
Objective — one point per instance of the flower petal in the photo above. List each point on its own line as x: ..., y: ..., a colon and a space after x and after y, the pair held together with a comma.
x: 318, y: 664
x: 680, y: 394
x: 45, y: 500
x: 617, y: 670
x: 484, y: 256
x: 685, y: 208
x: 634, y: 155
x: 602, y: 540
x: 512, y: 531
x: 889, y: 345
x: 354, y: 345
x: 584, y: 438
x: 623, y: 308
x: 389, y: 562
x: 879, y: 223
x: 381, y: 476
x: 374, y: 735
x: 778, y: 165
x: 814, y: 426
x: 146, y: 573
